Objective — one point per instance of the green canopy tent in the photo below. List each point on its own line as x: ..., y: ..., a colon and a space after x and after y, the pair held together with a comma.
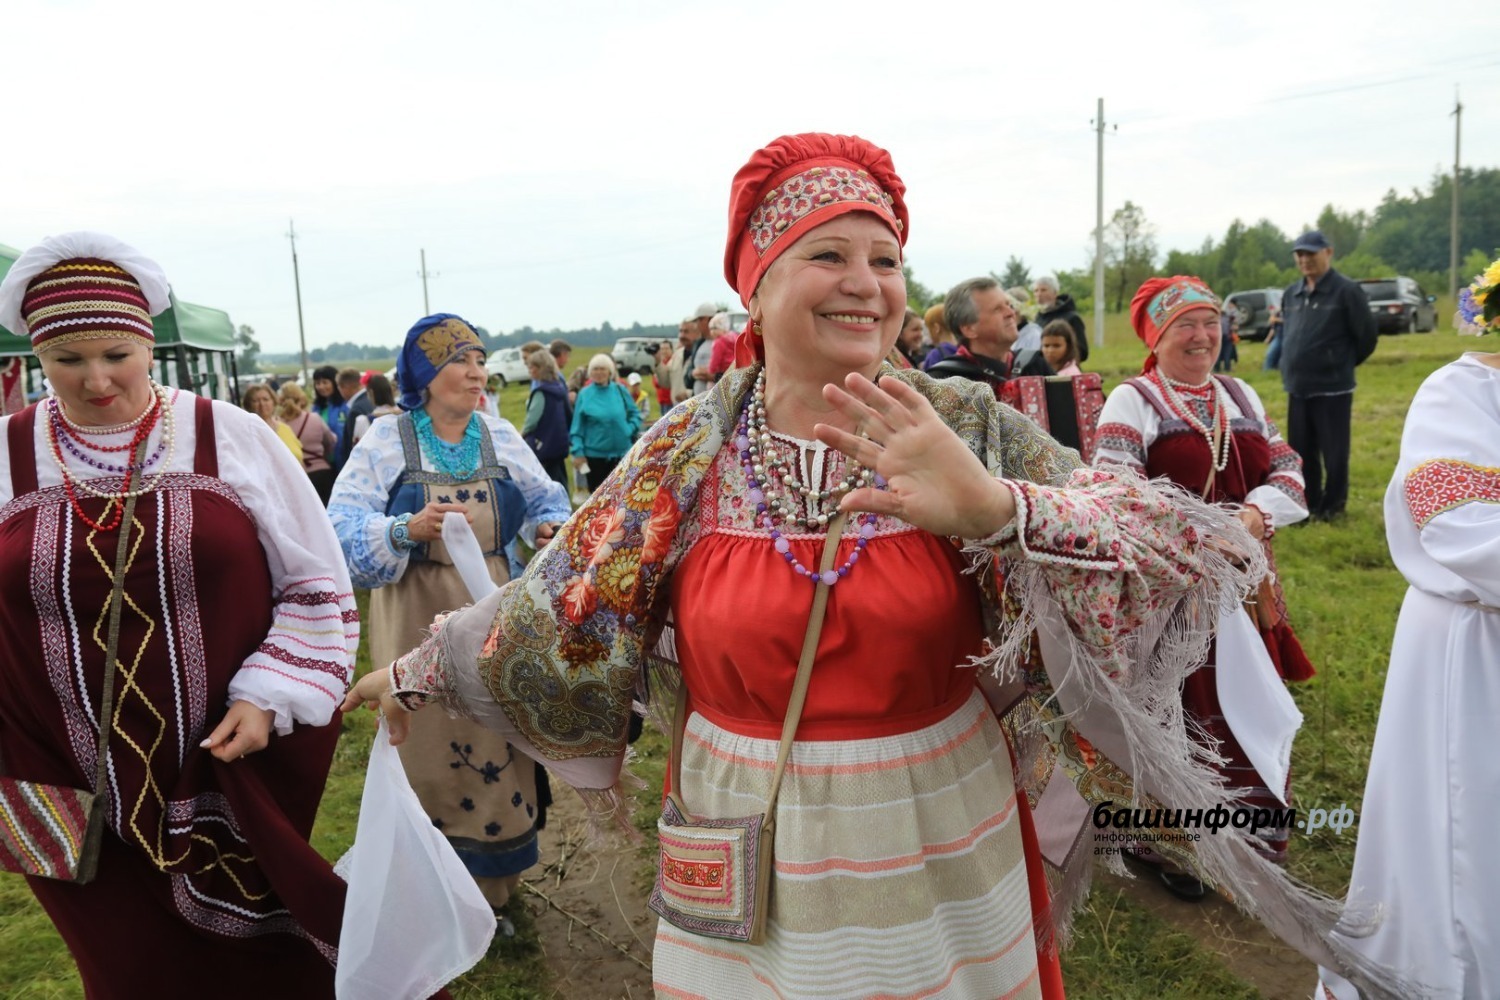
x: 194, y: 346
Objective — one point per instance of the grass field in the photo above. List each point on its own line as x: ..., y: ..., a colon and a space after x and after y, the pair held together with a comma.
x: 1343, y: 594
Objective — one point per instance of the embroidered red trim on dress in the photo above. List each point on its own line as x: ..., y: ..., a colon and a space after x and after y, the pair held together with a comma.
x: 696, y: 874
x: 1442, y: 484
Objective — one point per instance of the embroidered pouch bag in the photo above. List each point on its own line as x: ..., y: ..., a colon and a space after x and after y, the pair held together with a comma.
x: 713, y: 876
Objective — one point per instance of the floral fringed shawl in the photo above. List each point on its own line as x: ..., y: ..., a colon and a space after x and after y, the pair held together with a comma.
x: 1099, y: 597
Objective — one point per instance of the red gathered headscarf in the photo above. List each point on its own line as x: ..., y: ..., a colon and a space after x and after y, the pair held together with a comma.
x: 794, y: 184
x: 1161, y: 300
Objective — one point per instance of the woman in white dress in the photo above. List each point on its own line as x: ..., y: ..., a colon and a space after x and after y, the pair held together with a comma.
x: 1427, y: 824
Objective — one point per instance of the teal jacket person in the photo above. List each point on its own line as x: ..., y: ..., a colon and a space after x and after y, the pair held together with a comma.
x: 605, y: 421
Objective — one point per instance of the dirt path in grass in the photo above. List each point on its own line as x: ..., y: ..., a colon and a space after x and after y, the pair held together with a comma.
x: 1243, y: 946
x: 590, y: 908
x: 589, y: 903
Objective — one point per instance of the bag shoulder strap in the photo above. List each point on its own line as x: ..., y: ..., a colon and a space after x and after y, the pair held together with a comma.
x: 799, y: 686
x: 116, y: 600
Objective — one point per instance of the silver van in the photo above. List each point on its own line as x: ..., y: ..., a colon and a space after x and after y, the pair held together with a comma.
x: 1255, y: 308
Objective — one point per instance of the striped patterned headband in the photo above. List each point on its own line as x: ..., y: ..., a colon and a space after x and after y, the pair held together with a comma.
x: 85, y: 298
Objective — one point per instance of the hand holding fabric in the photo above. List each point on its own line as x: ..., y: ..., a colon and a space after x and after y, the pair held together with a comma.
x: 932, y: 479
x: 426, y: 524
x: 246, y: 728
x: 374, y: 689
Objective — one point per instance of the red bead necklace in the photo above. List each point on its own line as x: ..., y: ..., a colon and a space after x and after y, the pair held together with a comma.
x: 142, y: 431
x: 77, y: 434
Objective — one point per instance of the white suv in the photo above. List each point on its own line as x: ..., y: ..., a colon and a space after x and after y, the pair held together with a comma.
x: 509, y: 365
x: 635, y: 354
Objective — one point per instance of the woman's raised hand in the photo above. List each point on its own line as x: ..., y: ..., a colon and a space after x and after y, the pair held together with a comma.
x: 374, y: 689
x: 932, y: 479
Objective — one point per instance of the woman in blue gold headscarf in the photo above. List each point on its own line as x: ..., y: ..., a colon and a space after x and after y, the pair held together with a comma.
x: 445, y: 454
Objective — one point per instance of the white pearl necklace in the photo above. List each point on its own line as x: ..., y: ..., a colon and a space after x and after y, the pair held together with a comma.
x: 768, y: 464
x: 113, y: 429
x: 1218, y: 415
x: 168, y: 430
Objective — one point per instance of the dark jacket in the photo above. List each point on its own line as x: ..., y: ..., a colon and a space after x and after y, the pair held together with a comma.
x: 550, y: 437
x: 978, y: 368
x: 1064, y: 309
x: 1328, y: 331
x: 334, y: 415
x: 359, y: 406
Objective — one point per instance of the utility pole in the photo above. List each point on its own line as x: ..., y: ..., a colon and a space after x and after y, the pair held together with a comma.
x: 291, y: 234
x: 1458, y: 117
x: 1099, y: 233
x: 424, y: 274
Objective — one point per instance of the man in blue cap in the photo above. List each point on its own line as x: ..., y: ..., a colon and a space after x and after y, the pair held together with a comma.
x: 1328, y: 331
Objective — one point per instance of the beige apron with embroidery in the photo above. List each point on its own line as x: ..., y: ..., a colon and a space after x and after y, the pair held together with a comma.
x: 476, y: 788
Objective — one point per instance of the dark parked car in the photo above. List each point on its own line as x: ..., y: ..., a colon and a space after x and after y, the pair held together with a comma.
x: 1399, y: 305
x: 1254, y: 307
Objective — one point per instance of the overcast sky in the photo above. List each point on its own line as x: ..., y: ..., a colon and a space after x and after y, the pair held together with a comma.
x: 568, y: 163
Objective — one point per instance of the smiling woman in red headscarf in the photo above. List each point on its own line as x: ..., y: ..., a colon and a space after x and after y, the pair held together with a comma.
x: 1210, y: 434
x: 912, y: 857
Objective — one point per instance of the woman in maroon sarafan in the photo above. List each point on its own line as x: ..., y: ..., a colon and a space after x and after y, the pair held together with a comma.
x: 237, y: 639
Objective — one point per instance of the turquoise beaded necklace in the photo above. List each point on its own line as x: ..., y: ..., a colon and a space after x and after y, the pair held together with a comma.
x: 460, y: 460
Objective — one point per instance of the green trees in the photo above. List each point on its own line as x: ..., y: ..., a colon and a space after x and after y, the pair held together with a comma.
x: 1406, y: 234
x: 1129, y: 252
x: 918, y: 295
x: 1411, y: 232
x: 1016, y: 273
x: 248, y: 356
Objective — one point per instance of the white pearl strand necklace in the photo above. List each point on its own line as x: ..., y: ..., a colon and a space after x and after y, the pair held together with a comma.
x: 1218, y: 415
x: 168, y: 430
x: 114, y: 428
x: 769, y: 464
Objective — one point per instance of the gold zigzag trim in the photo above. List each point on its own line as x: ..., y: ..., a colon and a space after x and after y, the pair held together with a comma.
x: 104, y: 266
x: 157, y: 852
x: 48, y: 281
x: 37, y: 316
x: 127, y: 684
x: 221, y: 861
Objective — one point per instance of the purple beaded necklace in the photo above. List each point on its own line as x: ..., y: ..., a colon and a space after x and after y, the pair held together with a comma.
x: 103, y: 466
x: 772, y: 511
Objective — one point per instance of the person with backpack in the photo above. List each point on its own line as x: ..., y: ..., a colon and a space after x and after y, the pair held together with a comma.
x: 548, y: 416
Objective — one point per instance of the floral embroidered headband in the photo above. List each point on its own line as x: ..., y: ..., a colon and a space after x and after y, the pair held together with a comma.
x: 797, y: 183
x: 1161, y: 300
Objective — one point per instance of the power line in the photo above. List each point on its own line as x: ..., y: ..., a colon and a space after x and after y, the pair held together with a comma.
x: 1446, y: 69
